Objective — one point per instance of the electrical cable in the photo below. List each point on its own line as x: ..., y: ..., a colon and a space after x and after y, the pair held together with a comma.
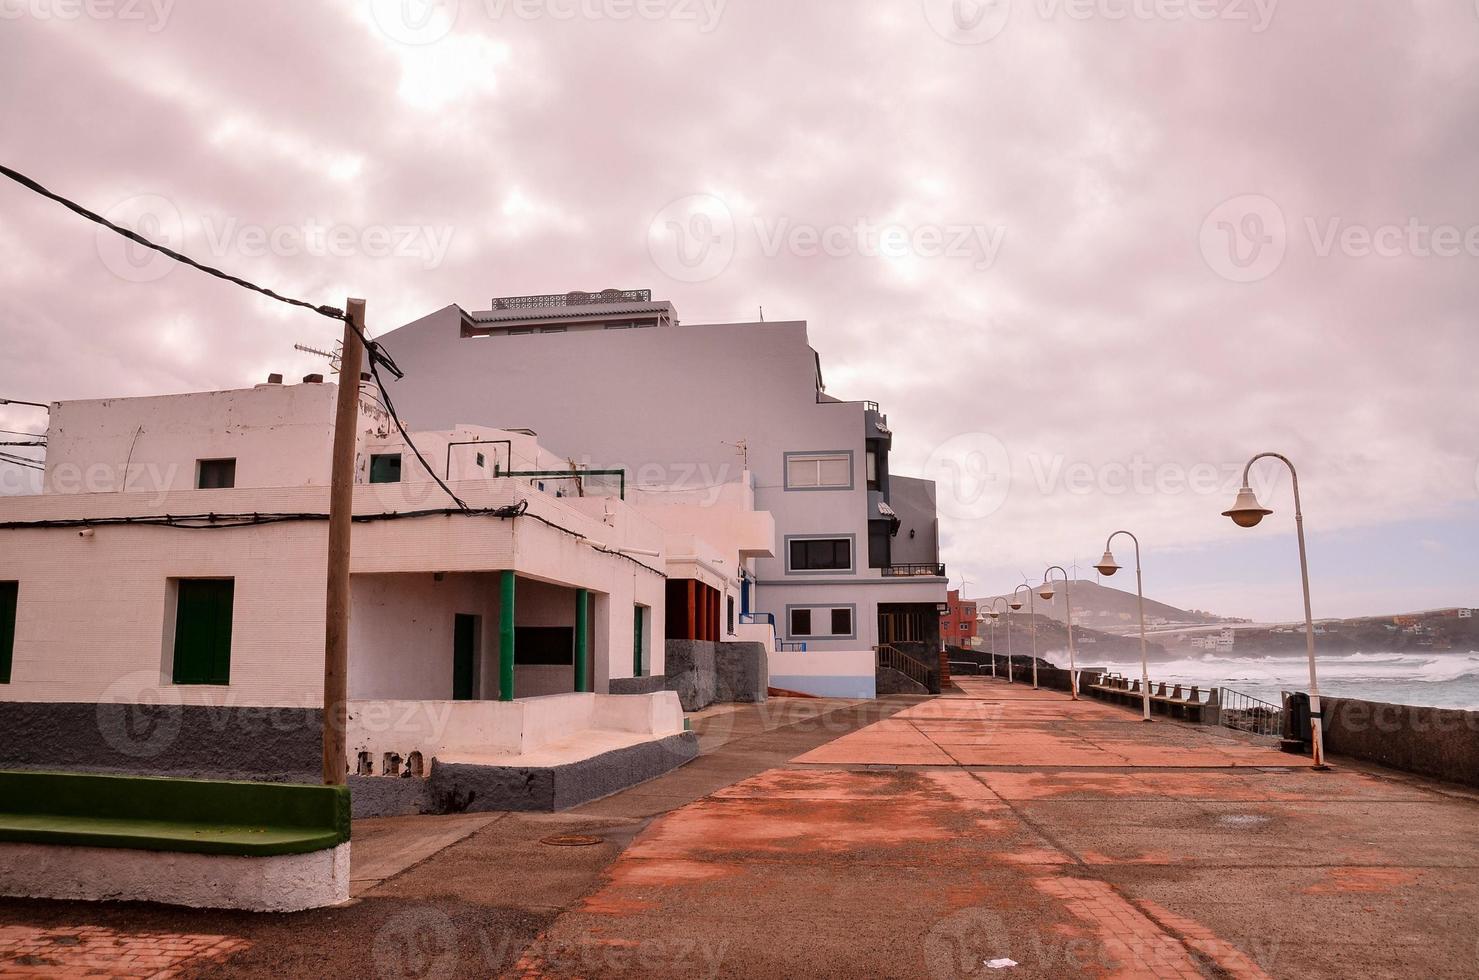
x: 204, y: 522
x: 133, y: 236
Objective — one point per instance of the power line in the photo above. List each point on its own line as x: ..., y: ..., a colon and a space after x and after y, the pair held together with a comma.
x: 329, y: 311
x: 377, y: 355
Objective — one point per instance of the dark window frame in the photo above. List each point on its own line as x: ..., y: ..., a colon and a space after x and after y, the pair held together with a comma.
x: 377, y: 477
x: 820, y: 554
x: 216, y: 473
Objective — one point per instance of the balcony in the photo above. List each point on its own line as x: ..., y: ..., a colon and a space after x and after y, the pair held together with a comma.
x: 917, y: 569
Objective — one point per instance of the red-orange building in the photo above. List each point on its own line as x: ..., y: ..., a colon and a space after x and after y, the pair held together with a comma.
x: 958, y: 625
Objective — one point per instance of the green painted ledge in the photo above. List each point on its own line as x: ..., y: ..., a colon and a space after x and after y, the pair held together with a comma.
x: 198, y: 816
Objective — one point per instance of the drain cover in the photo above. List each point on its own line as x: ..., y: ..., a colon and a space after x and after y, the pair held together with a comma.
x: 572, y: 840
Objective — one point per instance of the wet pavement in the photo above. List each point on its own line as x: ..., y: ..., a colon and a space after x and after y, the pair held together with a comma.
x: 907, y: 837
x: 1070, y: 838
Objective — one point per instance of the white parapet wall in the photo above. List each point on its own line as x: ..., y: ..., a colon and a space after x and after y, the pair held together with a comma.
x: 280, y: 883
x: 502, y: 728
x: 825, y: 673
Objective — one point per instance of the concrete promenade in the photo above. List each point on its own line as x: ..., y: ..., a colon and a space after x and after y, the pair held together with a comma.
x: 909, y: 837
x: 1071, y: 837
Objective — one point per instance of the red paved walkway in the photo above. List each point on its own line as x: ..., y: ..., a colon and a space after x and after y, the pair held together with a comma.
x: 1072, y: 838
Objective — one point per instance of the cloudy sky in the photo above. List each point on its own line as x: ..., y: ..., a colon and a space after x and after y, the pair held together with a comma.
x: 1090, y: 254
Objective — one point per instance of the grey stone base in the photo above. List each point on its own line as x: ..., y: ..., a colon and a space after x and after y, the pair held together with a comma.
x: 637, y: 685
x: 690, y: 672
x: 742, y: 672
x: 465, y: 788
x: 283, y: 745
x: 389, y: 796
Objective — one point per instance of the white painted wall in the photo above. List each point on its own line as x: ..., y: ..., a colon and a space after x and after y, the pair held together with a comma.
x: 671, y: 401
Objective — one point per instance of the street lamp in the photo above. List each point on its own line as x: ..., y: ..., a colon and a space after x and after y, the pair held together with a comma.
x: 1108, y: 566
x: 982, y: 619
x: 994, y: 614
x: 1031, y: 625
x: 1246, y: 511
x: 1046, y: 591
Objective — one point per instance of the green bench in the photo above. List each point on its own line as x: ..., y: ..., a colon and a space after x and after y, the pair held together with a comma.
x: 198, y: 816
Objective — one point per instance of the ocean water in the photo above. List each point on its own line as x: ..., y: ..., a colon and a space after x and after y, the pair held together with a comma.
x: 1438, y: 680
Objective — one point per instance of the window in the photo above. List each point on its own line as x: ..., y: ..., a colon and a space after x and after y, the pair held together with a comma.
x: 880, y: 544
x: 215, y: 474
x: 821, y: 554
x: 385, y: 467
x: 821, y: 622
x: 729, y: 614
x: 482, y: 461
x: 519, y: 331
x: 800, y: 622
x: 871, y: 469
x: 203, y: 630
x: 552, y: 329
x: 965, y: 627
x: 818, y: 471
x: 9, y: 592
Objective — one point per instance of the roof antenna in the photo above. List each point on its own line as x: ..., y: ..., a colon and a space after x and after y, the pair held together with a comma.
x: 762, y: 314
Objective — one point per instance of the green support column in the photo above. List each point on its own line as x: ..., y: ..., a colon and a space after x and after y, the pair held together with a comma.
x: 582, y: 640
x: 506, y: 638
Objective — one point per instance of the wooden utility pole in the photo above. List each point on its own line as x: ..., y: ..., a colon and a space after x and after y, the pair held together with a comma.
x: 341, y: 523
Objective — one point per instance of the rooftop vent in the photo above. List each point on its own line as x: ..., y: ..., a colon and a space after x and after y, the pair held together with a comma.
x: 313, y: 379
x: 274, y: 379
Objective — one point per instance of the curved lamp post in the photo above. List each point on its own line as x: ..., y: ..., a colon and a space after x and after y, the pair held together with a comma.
x: 994, y: 615
x: 1246, y: 511
x: 1031, y: 625
x: 1046, y: 591
x: 1108, y: 566
x: 990, y: 619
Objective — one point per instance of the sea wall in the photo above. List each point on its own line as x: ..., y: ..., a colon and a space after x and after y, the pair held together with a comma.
x: 1438, y: 742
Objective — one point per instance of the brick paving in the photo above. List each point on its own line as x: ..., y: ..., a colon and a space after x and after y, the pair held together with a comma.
x: 97, y: 951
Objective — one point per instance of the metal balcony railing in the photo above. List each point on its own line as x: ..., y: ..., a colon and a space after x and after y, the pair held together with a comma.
x: 935, y: 569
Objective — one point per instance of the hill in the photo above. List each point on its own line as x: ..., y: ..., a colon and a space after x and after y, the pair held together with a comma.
x: 1113, y: 610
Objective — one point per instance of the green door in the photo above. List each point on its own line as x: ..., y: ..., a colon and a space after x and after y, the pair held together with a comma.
x: 464, y: 656
x: 9, y: 592
x: 637, y: 641
x: 203, y: 631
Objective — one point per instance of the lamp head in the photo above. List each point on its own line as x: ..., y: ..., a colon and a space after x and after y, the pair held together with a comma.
x: 1015, y: 604
x: 1246, y: 511
x: 1107, y: 565
x: 1046, y: 591
x: 994, y: 614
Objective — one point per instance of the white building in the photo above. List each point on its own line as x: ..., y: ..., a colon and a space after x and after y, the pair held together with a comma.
x: 177, y: 557
x: 856, y: 554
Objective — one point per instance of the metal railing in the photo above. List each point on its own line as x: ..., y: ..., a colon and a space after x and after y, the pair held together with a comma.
x: 917, y: 568
x: 574, y: 298
x: 1245, y: 713
x: 768, y: 619
x: 895, y: 659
